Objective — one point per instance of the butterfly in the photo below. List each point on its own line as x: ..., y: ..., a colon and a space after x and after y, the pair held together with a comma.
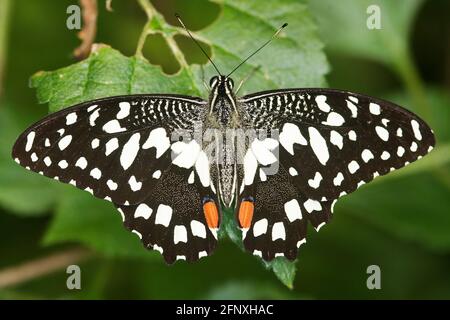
x: 278, y: 159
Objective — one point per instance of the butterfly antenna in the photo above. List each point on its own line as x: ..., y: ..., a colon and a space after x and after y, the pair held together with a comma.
x: 259, y: 49
x: 196, y: 42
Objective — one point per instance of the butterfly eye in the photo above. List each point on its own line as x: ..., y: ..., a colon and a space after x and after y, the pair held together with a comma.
x: 213, y: 81
x: 230, y: 83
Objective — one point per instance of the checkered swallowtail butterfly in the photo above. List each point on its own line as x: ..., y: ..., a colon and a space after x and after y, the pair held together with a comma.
x: 170, y: 191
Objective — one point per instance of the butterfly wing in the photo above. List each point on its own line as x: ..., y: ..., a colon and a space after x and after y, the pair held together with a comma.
x: 174, y: 220
x: 114, y: 148
x: 330, y: 143
x: 121, y: 149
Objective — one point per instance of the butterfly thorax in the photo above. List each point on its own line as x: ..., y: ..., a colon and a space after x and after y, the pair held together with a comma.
x: 223, y: 117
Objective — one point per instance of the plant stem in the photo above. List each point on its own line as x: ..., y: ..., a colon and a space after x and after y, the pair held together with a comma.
x: 42, y: 266
x: 150, y: 12
x: 142, y: 38
x: 148, y: 8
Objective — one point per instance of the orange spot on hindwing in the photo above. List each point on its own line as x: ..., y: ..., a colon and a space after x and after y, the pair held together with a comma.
x: 246, y: 213
x: 211, y: 214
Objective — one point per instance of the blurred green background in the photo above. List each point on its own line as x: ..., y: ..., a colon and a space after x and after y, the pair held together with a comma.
x: 400, y: 222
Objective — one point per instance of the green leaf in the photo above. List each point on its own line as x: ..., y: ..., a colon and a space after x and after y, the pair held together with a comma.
x: 343, y: 26
x: 295, y: 59
x: 249, y: 291
x: 22, y: 192
x: 284, y: 270
x: 106, y: 72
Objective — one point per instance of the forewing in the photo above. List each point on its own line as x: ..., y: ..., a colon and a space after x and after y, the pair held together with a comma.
x: 330, y: 143
x: 336, y: 141
x: 114, y: 148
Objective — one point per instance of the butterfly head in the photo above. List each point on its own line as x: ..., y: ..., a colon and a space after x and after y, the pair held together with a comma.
x: 221, y: 85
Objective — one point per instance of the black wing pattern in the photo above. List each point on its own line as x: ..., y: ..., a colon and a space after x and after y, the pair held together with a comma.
x: 119, y: 149
x: 330, y: 143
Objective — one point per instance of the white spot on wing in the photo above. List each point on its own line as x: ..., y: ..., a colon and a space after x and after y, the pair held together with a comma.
x: 94, y: 116
x: 382, y: 133
x: 130, y: 151
x: 111, y: 185
x: 374, y: 108
x: 198, y: 229
x: 202, y: 168
x: 400, y: 151
x: 71, y: 118
x: 163, y: 215
x: 334, y: 119
x: 134, y: 184
x: 336, y: 139
x: 353, y: 166
x: 262, y: 153
x: 289, y: 135
x: 179, y: 234
x: 156, y: 174
x: 319, y: 145
x: 385, y: 155
x: 124, y: 110
x: 63, y: 164
x: 191, y: 178
x: 158, y: 139
x: 96, y: 173
x: 143, y: 211
x: 315, y: 182
x: 95, y: 143
x: 366, y: 155
x: 312, y: 205
x: 338, y: 179
x: 320, y: 226
x: 352, y: 107
x: 321, y: 103
x: 64, y: 142
x: 137, y: 233
x: 260, y: 227
x: 250, y: 166
x: 293, y: 172
x: 111, y: 145
x: 278, y: 231
x: 81, y: 163
x: 352, y: 135
x: 299, y: 243
x: 113, y: 126
x: 185, y: 154
x: 92, y: 107
x: 47, y: 161
x: 416, y: 129
x: 30, y: 140
x: 293, y: 211
x: 262, y: 175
